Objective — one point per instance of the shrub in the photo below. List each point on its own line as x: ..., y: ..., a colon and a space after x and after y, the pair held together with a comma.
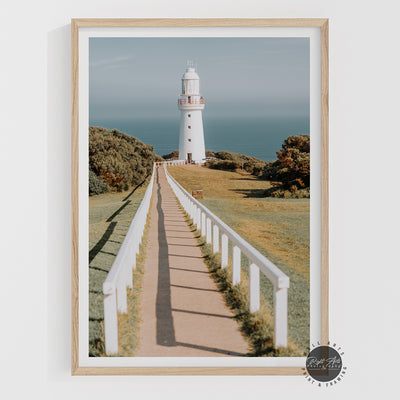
x: 158, y: 158
x: 292, y: 168
x: 210, y: 153
x: 96, y: 184
x: 230, y: 161
x: 174, y: 155
x: 118, y: 159
x: 226, y: 165
x: 281, y: 192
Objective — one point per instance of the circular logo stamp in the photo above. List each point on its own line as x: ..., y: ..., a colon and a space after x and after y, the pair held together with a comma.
x: 324, y: 365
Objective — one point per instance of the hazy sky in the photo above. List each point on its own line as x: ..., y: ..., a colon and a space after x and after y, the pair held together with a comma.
x: 141, y: 77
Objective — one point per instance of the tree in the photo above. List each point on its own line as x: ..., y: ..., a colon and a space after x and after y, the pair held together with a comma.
x: 292, y: 168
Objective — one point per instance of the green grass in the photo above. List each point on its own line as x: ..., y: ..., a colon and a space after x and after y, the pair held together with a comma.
x: 129, y: 323
x: 278, y: 228
x: 110, y: 215
x: 258, y: 327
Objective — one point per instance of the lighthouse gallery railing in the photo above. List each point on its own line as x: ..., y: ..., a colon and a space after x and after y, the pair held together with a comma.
x: 211, y: 226
x: 182, y: 102
x: 120, y: 275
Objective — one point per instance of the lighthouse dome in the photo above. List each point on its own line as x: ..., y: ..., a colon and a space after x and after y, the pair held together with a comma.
x: 190, y: 74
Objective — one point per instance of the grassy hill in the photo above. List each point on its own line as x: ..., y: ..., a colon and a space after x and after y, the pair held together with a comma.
x: 289, y: 175
x: 279, y: 228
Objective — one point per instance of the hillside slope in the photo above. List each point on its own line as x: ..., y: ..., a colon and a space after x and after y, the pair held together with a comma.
x: 117, y: 161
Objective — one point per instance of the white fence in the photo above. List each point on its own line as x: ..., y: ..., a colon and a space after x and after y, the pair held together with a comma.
x: 120, y: 275
x: 211, y: 227
x: 172, y: 162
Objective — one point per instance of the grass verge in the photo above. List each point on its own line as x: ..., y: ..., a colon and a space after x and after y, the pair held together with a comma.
x: 129, y: 323
x: 257, y: 328
x: 110, y: 216
x: 278, y: 228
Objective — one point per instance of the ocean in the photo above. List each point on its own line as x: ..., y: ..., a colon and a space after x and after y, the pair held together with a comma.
x: 257, y: 137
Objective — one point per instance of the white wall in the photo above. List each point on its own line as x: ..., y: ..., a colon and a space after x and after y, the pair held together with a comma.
x: 35, y: 199
x: 195, y: 134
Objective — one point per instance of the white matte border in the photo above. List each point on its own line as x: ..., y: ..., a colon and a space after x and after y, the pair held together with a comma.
x: 315, y: 203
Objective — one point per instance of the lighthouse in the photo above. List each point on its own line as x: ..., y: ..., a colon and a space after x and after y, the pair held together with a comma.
x: 191, y: 105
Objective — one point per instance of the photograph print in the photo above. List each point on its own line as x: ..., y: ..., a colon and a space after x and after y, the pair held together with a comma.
x: 199, y: 197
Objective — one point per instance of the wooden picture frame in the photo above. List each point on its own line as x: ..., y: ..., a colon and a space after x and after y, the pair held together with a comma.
x: 76, y: 25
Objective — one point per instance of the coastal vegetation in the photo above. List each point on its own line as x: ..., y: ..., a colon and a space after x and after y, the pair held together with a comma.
x: 290, y: 173
x: 174, y: 155
x: 230, y: 161
x: 227, y: 160
x: 110, y: 215
x: 258, y: 327
x: 269, y: 197
x: 277, y: 227
x: 117, y: 161
x: 288, y: 176
x: 129, y: 323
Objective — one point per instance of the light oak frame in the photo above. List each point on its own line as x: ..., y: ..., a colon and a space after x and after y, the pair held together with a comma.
x: 76, y: 24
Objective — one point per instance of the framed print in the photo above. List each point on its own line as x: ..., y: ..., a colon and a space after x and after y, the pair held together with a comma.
x: 199, y: 195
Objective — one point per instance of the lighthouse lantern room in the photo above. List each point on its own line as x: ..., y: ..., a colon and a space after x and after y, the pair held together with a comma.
x: 191, y: 104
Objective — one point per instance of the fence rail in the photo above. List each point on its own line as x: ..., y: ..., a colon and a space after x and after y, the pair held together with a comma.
x: 120, y: 275
x: 171, y: 162
x: 211, y: 227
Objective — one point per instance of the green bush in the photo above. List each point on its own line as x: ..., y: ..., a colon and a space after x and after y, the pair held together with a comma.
x: 158, y: 158
x: 210, y: 153
x: 291, y: 193
x: 292, y: 168
x: 96, y: 184
x: 226, y: 165
x: 230, y: 161
x: 118, y: 159
x: 174, y: 155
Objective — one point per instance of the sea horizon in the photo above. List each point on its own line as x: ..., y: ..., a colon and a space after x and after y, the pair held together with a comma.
x: 260, y: 137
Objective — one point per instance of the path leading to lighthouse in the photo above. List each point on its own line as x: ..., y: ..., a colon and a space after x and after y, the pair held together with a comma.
x: 182, y: 312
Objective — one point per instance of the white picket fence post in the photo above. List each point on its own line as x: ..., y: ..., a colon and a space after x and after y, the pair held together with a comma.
x: 224, y: 250
x: 110, y: 320
x: 203, y: 224
x: 120, y: 274
x: 254, y: 276
x: 209, y: 222
x: 194, y: 215
x: 215, y: 238
x: 171, y: 163
x: 208, y: 234
x: 198, y: 218
x: 236, y: 261
x: 280, y: 324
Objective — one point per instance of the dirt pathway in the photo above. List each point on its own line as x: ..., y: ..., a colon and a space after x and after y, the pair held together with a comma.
x: 182, y: 312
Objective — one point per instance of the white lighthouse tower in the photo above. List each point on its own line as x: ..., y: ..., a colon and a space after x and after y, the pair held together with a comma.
x: 191, y: 104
